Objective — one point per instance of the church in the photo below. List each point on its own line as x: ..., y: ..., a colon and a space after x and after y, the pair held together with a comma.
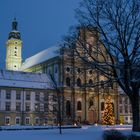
x: 26, y: 89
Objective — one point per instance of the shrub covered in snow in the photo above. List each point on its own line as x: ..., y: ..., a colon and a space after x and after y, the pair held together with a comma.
x: 113, y: 135
x: 133, y: 137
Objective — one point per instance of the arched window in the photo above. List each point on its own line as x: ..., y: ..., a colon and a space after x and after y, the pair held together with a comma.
x: 90, y: 72
x: 68, y: 81
x: 79, y: 105
x: 90, y: 82
x: 78, y: 82
x: 102, y: 106
x: 68, y: 108
x: 90, y: 103
x: 78, y: 70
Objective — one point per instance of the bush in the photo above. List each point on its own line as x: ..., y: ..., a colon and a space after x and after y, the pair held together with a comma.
x: 134, y: 137
x: 113, y: 135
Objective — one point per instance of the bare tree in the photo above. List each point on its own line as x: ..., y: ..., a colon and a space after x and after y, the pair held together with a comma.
x: 58, y: 99
x: 109, y: 41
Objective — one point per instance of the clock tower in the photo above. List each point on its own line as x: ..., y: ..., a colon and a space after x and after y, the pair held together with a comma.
x: 14, y: 49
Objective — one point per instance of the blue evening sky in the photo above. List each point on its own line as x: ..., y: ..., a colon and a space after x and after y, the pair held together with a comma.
x: 42, y: 23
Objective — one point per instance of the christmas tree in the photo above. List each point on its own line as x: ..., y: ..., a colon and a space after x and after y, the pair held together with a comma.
x: 108, y: 113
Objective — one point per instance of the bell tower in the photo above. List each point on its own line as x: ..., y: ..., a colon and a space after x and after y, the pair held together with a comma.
x: 14, y: 48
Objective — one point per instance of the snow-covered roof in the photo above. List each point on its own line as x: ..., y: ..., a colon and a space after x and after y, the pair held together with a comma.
x: 24, y: 80
x: 41, y: 57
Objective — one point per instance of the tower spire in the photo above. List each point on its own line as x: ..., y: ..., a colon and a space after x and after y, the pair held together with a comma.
x: 14, y: 24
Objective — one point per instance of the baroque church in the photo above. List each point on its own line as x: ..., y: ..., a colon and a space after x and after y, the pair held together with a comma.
x: 27, y: 96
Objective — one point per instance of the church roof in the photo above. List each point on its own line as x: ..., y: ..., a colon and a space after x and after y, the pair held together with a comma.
x: 24, y: 80
x: 41, y: 57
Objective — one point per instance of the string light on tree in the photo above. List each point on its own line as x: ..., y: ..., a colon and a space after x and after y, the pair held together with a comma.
x: 108, y: 113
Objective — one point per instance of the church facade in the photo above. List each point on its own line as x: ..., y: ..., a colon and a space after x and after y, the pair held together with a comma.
x: 84, y: 104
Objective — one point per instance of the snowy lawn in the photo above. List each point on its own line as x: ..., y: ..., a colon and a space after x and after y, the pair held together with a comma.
x: 84, y: 133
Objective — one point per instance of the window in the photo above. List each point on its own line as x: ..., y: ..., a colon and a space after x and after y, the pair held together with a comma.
x: 126, y: 118
x: 126, y: 109
x: 68, y: 69
x: 68, y: 108
x: 37, y: 121
x: 17, y: 120
x: 37, y: 108
x: 79, y: 105
x: 37, y: 97
x: 79, y: 70
x: 45, y: 121
x: 90, y: 103
x: 8, y: 95
x: 126, y: 101
x: 90, y: 82
x: 7, y: 106
x: 7, y: 121
x: 27, y: 107
x: 27, y: 96
x: 56, y: 69
x: 120, y: 100
x: 130, y: 109
x: 102, y: 106
x: 27, y: 121
x: 68, y: 81
x: 18, y: 106
x: 78, y: 82
x: 45, y: 107
x: 18, y: 96
x: 121, y: 109
x: 90, y: 72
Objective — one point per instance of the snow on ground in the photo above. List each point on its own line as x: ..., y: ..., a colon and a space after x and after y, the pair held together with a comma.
x: 84, y: 133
